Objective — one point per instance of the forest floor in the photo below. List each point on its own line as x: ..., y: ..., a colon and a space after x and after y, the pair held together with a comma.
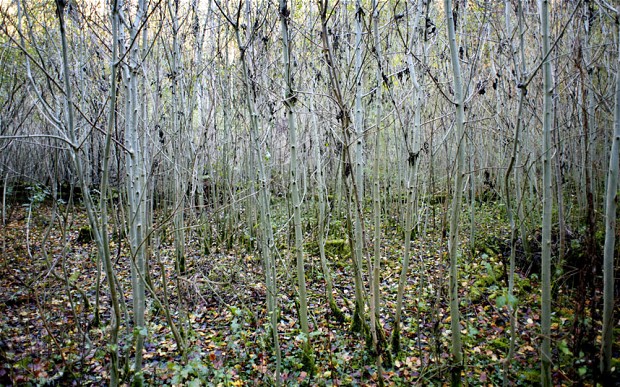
x: 47, y: 336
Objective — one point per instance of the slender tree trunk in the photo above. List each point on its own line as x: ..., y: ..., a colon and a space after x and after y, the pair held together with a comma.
x: 358, y: 323
x: 136, y: 190
x: 266, y: 240
x: 545, y: 350
x: 179, y: 155
x: 453, y: 238
x: 519, y: 187
x: 289, y: 103
x: 611, y: 200
x: 98, y: 227
x: 105, y: 253
x: 322, y: 220
x: 413, y: 153
x: 510, y: 299
x: 378, y: 337
x: 4, y: 189
x: 357, y: 177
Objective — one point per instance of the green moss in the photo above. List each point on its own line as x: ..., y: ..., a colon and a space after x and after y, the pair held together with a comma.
x: 336, y: 312
x: 475, y: 294
x: 395, y: 341
x: 307, y: 359
x: 500, y: 344
x: 358, y: 325
x: 138, y: 380
x: 337, y: 247
x: 524, y: 284
x: 532, y: 376
x: 85, y: 234
x: 311, y: 247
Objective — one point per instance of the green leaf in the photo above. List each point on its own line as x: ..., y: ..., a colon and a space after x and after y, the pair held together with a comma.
x: 501, y: 301
x: 142, y: 331
x: 186, y: 371
x: 301, y: 337
x: 562, y: 346
x: 24, y: 362
x: 74, y: 276
x: 234, y: 325
x: 194, y: 383
x: 488, y: 267
x: 512, y: 300
x: 582, y: 370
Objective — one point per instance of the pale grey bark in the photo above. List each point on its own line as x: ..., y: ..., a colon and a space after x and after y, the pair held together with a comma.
x: 545, y: 349
x: 98, y: 226
x: 358, y: 323
x: 266, y: 240
x: 453, y: 238
x: 510, y: 211
x: 611, y: 201
x: 323, y: 218
x: 180, y: 139
x: 357, y: 176
x: 104, y: 254
x: 136, y: 184
x: 289, y: 103
x: 378, y: 337
x: 411, y: 161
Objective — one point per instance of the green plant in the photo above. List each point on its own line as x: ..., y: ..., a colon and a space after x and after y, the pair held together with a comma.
x: 38, y: 194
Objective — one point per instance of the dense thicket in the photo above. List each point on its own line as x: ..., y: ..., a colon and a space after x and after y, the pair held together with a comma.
x: 313, y: 128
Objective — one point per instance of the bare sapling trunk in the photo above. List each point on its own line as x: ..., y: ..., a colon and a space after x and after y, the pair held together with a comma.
x: 98, y: 226
x: 374, y: 266
x: 322, y: 219
x: 356, y: 238
x: 266, y: 239
x: 413, y: 153
x: 357, y: 179
x: 289, y: 103
x: 136, y: 189
x: 545, y: 349
x: 611, y: 201
x: 453, y: 238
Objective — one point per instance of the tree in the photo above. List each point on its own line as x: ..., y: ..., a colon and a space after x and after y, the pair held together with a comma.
x: 545, y: 349
x: 289, y: 102
x: 453, y: 239
x: 355, y: 175
x: 266, y: 238
x: 136, y: 183
x: 412, y: 161
x: 98, y: 227
x: 611, y: 202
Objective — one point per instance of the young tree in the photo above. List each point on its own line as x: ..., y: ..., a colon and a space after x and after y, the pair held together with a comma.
x: 611, y: 202
x: 545, y: 349
x: 453, y: 238
x: 520, y: 71
x: 99, y: 226
x: 322, y: 218
x: 266, y: 238
x: 357, y: 176
x: 374, y: 266
x: 289, y: 102
x: 136, y: 182
x: 344, y: 115
x: 413, y: 154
